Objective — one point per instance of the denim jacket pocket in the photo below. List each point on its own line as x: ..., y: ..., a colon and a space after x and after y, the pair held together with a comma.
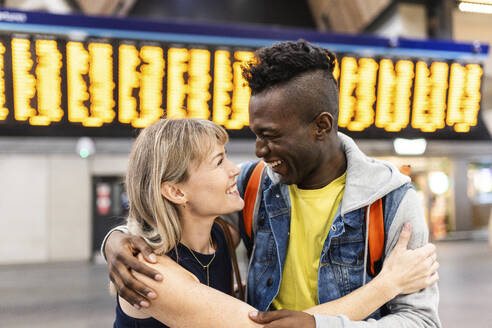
x: 347, y: 259
x: 347, y: 251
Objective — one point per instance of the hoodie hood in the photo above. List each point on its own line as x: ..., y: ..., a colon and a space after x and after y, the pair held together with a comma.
x: 368, y: 179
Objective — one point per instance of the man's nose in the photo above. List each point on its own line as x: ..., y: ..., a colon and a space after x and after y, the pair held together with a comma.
x: 261, y: 148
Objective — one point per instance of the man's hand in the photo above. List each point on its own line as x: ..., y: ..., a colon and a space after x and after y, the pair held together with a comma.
x: 283, y: 319
x: 121, y: 250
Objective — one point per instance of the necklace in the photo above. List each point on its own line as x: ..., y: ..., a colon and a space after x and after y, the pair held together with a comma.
x: 205, y: 267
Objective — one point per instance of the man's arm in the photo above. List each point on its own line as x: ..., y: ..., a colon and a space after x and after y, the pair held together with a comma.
x: 417, y: 310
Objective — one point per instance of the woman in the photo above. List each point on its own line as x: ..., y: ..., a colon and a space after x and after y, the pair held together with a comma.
x: 179, y: 180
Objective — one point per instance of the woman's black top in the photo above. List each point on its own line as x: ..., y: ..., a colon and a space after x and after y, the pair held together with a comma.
x: 220, y: 275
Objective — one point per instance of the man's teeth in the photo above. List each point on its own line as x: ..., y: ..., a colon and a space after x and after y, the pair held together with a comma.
x: 232, y: 190
x: 273, y: 164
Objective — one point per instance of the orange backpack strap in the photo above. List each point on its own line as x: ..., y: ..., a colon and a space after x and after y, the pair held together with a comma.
x: 250, y: 195
x: 376, y: 231
x: 405, y: 169
x: 376, y: 236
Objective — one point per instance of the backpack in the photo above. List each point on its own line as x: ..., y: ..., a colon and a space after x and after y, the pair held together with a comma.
x: 376, y: 233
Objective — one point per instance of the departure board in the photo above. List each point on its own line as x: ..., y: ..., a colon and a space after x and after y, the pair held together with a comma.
x: 62, y: 84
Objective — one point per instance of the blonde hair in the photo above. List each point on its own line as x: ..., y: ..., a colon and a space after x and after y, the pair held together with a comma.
x: 163, y: 152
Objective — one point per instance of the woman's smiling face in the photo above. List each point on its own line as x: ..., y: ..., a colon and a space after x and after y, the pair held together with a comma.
x: 211, y: 188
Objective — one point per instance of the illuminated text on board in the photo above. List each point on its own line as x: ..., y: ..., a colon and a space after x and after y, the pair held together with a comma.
x: 151, y: 81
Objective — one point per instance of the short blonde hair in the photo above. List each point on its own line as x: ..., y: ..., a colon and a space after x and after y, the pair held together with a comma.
x: 163, y: 152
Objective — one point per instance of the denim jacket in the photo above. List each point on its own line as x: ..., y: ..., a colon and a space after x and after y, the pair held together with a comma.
x: 342, y: 266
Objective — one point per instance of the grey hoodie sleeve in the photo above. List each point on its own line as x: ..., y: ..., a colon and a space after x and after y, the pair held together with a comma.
x: 417, y: 310
x: 121, y: 228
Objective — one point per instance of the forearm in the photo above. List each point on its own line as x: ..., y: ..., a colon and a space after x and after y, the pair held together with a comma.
x: 360, y: 303
x: 183, y: 302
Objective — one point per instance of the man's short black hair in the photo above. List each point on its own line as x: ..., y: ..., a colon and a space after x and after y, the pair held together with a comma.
x: 284, y: 60
x: 307, y: 71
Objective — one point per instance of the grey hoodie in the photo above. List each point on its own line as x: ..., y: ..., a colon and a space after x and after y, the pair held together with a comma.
x: 369, y: 179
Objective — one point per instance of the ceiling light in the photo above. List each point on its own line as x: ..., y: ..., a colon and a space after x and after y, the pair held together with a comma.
x: 438, y: 182
x: 409, y: 146
x: 85, y: 147
x: 483, y: 7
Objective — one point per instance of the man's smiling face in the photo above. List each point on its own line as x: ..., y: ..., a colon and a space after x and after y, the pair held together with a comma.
x: 284, y: 138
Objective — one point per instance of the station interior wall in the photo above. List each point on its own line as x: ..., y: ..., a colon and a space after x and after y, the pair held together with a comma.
x: 47, y: 210
x: 46, y: 205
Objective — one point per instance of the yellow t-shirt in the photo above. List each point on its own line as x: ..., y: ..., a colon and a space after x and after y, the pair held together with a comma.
x: 313, y: 212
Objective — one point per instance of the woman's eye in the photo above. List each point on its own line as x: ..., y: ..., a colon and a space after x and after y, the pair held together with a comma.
x: 220, y: 162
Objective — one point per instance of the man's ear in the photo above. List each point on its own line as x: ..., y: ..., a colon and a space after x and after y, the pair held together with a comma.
x: 323, y: 125
x: 173, y: 193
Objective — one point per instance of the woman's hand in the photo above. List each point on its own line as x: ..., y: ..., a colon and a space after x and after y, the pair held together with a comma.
x: 407, y: 271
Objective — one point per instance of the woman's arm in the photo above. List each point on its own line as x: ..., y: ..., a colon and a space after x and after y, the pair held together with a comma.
x: 360, y: 303
x: 183, y: 301
x: 405, y: 271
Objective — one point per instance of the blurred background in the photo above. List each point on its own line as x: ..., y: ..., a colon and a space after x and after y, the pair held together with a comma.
x: 78, y: 78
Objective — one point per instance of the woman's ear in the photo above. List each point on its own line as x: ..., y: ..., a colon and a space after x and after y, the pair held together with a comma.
x: 173, y: 193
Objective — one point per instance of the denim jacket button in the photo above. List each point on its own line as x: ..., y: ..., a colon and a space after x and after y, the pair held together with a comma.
x: 277, y: 195
x: 261, y: 221
x: 361, y: 256
x: 333, y: 228
x: 269, y: 282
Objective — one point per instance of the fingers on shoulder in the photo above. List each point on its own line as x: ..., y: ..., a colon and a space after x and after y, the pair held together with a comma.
x: 131, y: 296
x: 427, y: 251
x: 432, y: 279
x: 139, y: 244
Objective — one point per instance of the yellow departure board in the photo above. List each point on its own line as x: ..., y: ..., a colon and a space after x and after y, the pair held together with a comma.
x: 126, y: 84
x: 408, y: 89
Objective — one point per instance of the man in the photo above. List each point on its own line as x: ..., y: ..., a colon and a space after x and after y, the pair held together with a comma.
x: 309, y: 244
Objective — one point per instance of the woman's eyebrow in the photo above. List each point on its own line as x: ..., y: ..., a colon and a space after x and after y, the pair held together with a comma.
x: 221, y: 154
